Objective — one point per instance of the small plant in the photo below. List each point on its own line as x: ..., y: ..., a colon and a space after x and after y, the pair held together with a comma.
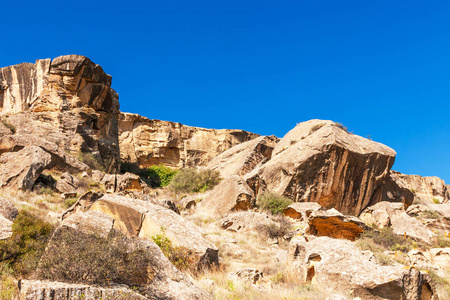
x: 69, y: 202
x: 45, y: 191
x: 193, y: 181
x: 431, y: 214
x: 341, y: 126
x: 158, y: 176
x: 25, y: 247
x: 8, y: 125
x: 436, y: 201
x: 278, y: 229
x: 181, y: 257
x: 273, y: 203
x: 442, y: 241
x: 90, y: 160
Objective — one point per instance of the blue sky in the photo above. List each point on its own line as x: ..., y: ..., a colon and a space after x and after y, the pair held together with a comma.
x: 381, y: 68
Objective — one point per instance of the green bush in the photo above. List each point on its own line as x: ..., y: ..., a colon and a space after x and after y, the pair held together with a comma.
x: 77, y: 257
x: 272, y: 202
x: 90, y: 160
x: 25, y: 247
x: 181, y: 257
x: 158, y: 176
x: 193, y: 181
x: 386, y: 239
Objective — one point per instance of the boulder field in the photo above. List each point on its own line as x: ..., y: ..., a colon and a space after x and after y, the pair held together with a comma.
x: 350, y: 227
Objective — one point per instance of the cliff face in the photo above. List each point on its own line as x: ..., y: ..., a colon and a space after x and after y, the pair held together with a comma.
x: 152, y: 142
x: 67, y: 101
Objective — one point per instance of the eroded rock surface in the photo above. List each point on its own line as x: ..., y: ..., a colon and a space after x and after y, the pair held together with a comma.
x: 318, y: 161
x: 68, y: 102
x: 426, y: 189
x: 152, y: 142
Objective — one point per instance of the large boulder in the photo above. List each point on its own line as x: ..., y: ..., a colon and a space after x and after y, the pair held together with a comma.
x: 387, y: 214
x: 319, y: 161
x: 244, y: 157
x: 67, y: 101
x: 340, y: 266
x: 148, y: 142
x: 333, y: 224
x: 19, y: 170
x: 232, y: 194
x: 50, y: 290
x: 67, y: 184
x: 426, y: 189
x: 301, y: 210
x: 393, y: 189
x: 141, y: 218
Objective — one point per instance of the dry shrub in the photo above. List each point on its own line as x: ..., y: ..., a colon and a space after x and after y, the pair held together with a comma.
x: 272, y: 202
x: 278, y: 229
x: 193, y: 181
x: 77, y: 257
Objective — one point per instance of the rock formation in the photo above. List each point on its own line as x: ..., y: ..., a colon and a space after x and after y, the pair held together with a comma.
x: 67, y: 102
x: 152, y: 142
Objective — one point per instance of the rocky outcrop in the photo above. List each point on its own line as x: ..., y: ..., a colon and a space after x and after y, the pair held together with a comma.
x: 140, y: 218
x: 66, y: 184
x: 232, y: 194
x: 246, y: 221
x: 340, y: 266
x: 250, y: 275
x: 5, y: 228
x: 115, y: 183
x: 68, y: 102
x: 301, y: 210
x: 393, y: 189
x: 333, y: 224
x: 49, y: 290
x: 20, y: 170
x: 426, y: 189
x: 387, y: 214
x: 152, y: 142
x: 318, y: 161
x: 243, y: 158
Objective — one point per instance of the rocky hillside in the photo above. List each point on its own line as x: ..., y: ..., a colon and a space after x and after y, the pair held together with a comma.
x: 203, y: 213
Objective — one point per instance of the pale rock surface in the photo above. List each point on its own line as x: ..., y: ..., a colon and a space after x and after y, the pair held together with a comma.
x: 301, y: 210
x: 90, y: 222
x: 8, y: 209
x: 67, y: 101
x: 426, y: 188
x: 232, y: 194
x: 333, y: 224
x: 441, y: 257
x: 115, y: 183
x: 318, y: 161
x: 148, y: 142
x: 5, y: 228
x: 339, y: 265
x: 19, y: 170
x: 243, y: 158
x: 393, y: 189
x: 250, y: 275
x: 49, y: 290
x: 245, y: 221
x: 83, y: 203
x: 385, y: 214
x: 141, y: 218
x: 67, y: 184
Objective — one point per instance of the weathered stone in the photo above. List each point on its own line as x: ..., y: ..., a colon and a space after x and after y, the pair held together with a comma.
x: 393, y: 189
x: 67, y: 101
x: 67, y: 184
x: 441, y: 257
x: 339, y: 265
x: 170, y: 205
x: 188, y: 202
x: 384, y: 214
x: 5, y: 228
x: 301, y: 210
x: 152, y: 142
x: 109, y: 181
x: 318, y: 161
x: 83, y: 203
x: 232, y: 194
x: 8, y: 209
x: 244, y: 157
x: 50, y: 290
x: 426, y: 189
x: 245, y: 221
x: 250, y: 275
x: 333, y: 224
x: 20, y: 170
x: 144, y: 219
x: 90, y: 222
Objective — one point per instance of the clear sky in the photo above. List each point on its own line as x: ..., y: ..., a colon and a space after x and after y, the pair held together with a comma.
x: 381, y: 68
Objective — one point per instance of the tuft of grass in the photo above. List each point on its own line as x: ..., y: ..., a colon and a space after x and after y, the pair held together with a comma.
x: 272, y: 202
x: 193, y: 181
x: 25, y: 247
x: 9, y: 125
x: 442, y: 241
x: 436, y: 201
x: 90, y: 160
x: 69, y: 202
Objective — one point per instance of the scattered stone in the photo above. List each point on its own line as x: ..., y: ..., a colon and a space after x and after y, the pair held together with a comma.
x: 301, y: 210
x: 7, y: 209
x: 170, y: 205
x: 5, y: 228
x: 67, y: 184
x: 250, y: 275
x: 246, y: 221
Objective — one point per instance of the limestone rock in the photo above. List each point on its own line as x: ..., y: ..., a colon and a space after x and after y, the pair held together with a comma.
x: 318, y: 161
x: 48, y: 290
x: 148, y: 142
x: 244, y: 157
x: 340, y: 266
x: 20, y: 170
x: 426, y: 188
x: 90, y: 222
x: 68, y: 102
x: 232, y: 194
x: 188, y: 202
x: 7, y: 209
x: 301, y: 210
x: 83, y: 203
x: 250, y: 275
x: 66, y: 184
x: 441, y: 257
x: 130, y: 182
x: 393, y: 189
x: 245, y: 221
x: 333, y: 224
x: 5, y: 228
x: 384, y: 214
x: 144, y: 219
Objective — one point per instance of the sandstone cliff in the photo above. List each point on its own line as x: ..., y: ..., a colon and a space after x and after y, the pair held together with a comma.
x: 67, y: 101
x: 152, y: 142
